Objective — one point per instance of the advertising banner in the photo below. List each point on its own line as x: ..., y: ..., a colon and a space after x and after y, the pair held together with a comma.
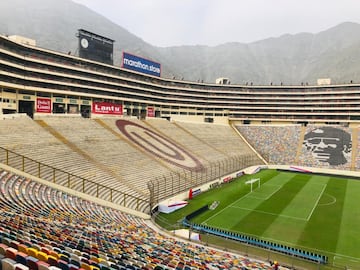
x: 171, y: 207
x: 107, y: 108
x: 150, y: 112
x: 227, y: 179
x: 142, y: 65
x: 43, y: 105
x: 194, y: 192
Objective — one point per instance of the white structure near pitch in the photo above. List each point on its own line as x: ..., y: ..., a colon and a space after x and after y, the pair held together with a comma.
x: 252, y: 181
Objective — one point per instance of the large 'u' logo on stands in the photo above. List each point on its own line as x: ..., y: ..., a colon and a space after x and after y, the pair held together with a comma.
x: 159, y: 146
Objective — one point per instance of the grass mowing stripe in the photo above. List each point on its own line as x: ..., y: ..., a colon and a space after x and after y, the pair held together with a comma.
x: 229, y: 193
x: 228, y: 216
x: 256, y: 223
x: 268, y: 213
x: 349, y: 236
x: 288, y: 227
x: 265, y: 193
x: 304, y: 203
x: 322, y: 230
x: 332, y: 230
x: 316, y: 203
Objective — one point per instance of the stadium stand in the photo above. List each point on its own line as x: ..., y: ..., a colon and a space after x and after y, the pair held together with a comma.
x: 44, y: 228
x: 277, y: 144
x: 31, y: 140
x: 70, y: 233
x: 108, y: 152
x: 95, y: 149
x: 187, y: 139
x: 327, y: 147
x: 221, y: 138
x: 72, y: 85
x: 299, y: 145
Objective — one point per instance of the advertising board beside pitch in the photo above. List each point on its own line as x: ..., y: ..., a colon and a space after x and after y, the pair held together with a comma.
x: 140, y: 64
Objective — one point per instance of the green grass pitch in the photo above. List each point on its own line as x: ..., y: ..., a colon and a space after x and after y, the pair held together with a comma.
x: 312, y: 212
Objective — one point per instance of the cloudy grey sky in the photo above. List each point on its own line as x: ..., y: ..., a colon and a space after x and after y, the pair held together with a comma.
x: 213, y: 22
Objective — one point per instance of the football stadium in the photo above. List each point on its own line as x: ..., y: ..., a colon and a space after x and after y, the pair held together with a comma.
x: 109, y: 168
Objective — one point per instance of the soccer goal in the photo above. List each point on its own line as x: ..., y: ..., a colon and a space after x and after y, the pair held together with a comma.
x: 252, y: 182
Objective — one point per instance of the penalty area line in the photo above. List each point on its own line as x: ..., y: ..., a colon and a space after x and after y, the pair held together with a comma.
x: 269, y: 213
x: 268, y: 195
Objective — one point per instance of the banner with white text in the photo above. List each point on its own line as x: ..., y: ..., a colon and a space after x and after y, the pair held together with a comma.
x: 140, y: 64
x: 107, y: 108
x: 43, y: 105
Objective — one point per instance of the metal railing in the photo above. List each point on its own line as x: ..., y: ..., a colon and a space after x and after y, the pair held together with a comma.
x: 177, y: 182
x: 69, y: 180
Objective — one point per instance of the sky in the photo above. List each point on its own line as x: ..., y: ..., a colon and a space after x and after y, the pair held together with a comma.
x: 166, y: 23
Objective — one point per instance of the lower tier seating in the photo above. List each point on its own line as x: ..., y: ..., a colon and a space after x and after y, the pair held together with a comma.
x: 43, y: 228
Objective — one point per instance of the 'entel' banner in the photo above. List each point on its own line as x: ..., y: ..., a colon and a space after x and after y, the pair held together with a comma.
x: 43, y: 105
x: 150, y: 112
x: 107, y: 108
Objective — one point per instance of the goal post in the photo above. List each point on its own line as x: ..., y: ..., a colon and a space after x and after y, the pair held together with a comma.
x: 252, y: 182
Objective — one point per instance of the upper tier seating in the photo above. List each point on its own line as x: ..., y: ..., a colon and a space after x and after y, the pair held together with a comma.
x: 277, y: 144
x: 332, y: 147
x: 328, y: 147
x: 220, y: 138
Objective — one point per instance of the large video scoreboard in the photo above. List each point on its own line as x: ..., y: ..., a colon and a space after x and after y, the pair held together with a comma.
x: 95, y: 47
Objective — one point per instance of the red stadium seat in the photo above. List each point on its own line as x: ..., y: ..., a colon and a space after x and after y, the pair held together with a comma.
x: 11, y: 253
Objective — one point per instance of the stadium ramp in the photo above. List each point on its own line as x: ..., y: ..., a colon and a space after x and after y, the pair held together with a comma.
x: 300, y: 144
x: 354, y: 151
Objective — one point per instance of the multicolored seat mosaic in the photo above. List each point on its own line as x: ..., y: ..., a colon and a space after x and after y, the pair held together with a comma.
x: 47, y: 229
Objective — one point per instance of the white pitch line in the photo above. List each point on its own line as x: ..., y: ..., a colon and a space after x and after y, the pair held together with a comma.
x: 353, y: 259
x: 269, y: 196
x: 230, y: 205
x: 269, y: 213
x: 329, y: 203
x: 225, y: 208
x: 317, y: 202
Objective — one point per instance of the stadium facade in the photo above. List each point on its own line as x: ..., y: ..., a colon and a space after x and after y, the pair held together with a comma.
x: 36, y: 80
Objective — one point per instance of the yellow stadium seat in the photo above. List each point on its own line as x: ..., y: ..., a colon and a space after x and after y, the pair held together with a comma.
x: 54, y: 254
x: 22, y: 248
x: 85, y: 266
x: 42, y: 256
x: 95, y: 259
x: 32, y: 252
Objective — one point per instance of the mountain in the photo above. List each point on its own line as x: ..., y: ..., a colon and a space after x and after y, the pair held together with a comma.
x: 288, y: 59
x: 54, y: 24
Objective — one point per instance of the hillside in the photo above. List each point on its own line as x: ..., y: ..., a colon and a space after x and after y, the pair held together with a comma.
x: 290, y: 59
